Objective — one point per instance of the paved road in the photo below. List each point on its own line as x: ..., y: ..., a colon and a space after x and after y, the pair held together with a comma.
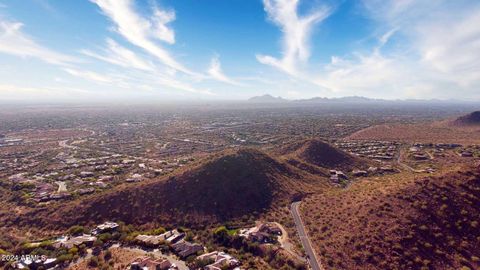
x: 62, y: 187
x: 312, y: 258
x: 405, y: 166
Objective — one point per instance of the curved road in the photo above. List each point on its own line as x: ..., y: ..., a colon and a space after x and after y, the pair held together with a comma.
x: 311, y: 257
x: 405, y: 166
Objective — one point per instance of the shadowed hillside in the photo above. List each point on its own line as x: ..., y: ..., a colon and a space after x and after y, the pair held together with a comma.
x: 233, y: 184
x: 321, y: 154
x: 469, y: 119
x: 429, y: 223
x: 227, y: 186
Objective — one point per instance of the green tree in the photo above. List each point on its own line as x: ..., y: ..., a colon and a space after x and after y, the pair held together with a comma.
x: 77, y: 230
x: 65, y: 258
x: 221, y: 236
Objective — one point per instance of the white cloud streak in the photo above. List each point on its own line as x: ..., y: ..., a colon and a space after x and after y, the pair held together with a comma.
x: 215, y: 71
x: 13, y: 41
x: 89, y: 75
x: 143, y: 32
x: 452, y: 47
x: 439, y: 52
x: 121, y: 56
x: 362, y: 74
x: 296, y: 33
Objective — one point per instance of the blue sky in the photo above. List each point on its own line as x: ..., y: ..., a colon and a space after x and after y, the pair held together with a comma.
x: 54, y: 50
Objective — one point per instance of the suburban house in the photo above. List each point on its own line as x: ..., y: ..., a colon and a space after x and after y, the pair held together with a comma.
x: 99, y: 184
x: 147, y: 263
x: 359, y: 173
x: 335, y: 175
x: 262, y: 233
x: 270, y: 228
x: 185, y: 249
x: 84, y: 191
x: 135, y: 178
x: 105, y: 227
x: 86, y: 174
x: 70, y: 242
x: 173, y: 236
x: 221, y: 260
x: 149, y: 240
x: 170, y: 237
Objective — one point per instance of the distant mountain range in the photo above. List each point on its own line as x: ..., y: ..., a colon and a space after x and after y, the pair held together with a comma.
x: 267, y: 99
x: 341, y: 99
x: 350, y: 99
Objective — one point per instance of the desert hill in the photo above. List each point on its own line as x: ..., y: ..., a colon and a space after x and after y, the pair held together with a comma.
x: 241, y: 182
x: 226, y: 186
x: 429, y: 223
x: 469, y: 119
x: 324, y: 155
x: 320, y: 154
x: 444, y: 131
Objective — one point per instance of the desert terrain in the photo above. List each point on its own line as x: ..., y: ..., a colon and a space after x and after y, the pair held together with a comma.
x: 269, y: 189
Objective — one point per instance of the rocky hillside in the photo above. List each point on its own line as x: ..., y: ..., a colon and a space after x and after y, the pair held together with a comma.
x: 428, y: 223
x: 320, y: 154
x: 226, y: 186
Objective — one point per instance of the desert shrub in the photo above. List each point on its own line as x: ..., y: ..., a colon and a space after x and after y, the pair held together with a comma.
x: 105, y: 237
x: 93, y: 262
x: 65, y: 258
x: 157, y: 231
x: 221, y: 235
x: 77, y: 230
x: 73, y: 250
x: 107, y: 255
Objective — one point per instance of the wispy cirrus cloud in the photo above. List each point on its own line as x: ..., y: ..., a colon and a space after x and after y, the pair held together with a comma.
x: 146, y: 33
x: 143, y: 32
x: 173, y: 83
x: 89, y: 75
x: 440, y: 52
x: 296, y: 33
x: 215, y: 71
x: 363, y: 74
x: 426, y: 48
x: 121, y: 56
x: 451, y: 46
x: 13, y: 41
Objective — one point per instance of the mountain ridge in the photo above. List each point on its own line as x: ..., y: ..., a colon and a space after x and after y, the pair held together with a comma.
x: 267, y: 98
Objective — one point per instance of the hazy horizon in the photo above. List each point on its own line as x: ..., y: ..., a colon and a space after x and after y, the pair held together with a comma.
x: 246, y: 101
